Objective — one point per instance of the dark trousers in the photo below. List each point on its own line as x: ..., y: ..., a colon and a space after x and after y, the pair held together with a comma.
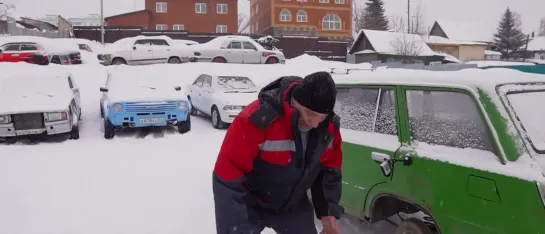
x: 298, y: 221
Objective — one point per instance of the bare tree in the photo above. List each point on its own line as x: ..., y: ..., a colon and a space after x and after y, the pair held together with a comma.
x: 418, y: 25
x: 541, y: 27
x: 358, y: 16
x: 408, y: 45
x: 5, y: 10
x: 241, y: 19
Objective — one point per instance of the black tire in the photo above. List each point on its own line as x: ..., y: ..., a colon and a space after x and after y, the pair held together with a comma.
x: 119, y: 61
x: 271, y: 61
x: 174, y: 60
x: 109, y: 130
x: 413, y: 226
x: 193, y: 110
x: 185, y: 126
x: 74, y: 133
x: 216, y: 119
x: 219, y: 60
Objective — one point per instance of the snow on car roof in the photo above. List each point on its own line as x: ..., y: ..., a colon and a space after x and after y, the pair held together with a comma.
x: 50, y: 45
x: 143, y: 84
x: 470, y: 78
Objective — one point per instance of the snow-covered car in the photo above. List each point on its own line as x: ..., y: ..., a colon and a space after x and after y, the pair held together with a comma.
x: 140, y: 99
x: 143, y: 50
x: 236, y: 49
x: 443, y: 152
x: 83, y: 44
x: 221, y: 97
x: 43, y: 103
x: 20, y: 48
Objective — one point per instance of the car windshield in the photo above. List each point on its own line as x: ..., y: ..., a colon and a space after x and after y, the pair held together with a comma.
x: 235, y: 84
x: 530, y: 110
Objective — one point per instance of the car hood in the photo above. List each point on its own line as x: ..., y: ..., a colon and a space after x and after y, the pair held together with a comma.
x: 142, y: 94
x: 34, y: 102
x: 239, y: 99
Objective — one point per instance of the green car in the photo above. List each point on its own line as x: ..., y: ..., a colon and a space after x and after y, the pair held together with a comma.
x: 458, y: 152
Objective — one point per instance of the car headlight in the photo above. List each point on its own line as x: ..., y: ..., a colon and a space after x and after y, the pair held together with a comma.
x: 541, y: 189
x: 232, y: 107
x: 182, y: 105
x: 5, y: 119
x: 118, y: 107
x: 55, y: 116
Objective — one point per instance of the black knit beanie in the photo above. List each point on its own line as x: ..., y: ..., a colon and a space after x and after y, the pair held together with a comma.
x: 317, y: 92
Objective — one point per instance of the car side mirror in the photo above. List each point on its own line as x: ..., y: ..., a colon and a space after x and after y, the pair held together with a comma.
x: 177, y: 88
x: 134, y: 48
x: 102, y: 89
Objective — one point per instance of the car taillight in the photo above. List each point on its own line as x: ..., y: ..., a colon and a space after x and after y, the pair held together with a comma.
x: 267, y: 54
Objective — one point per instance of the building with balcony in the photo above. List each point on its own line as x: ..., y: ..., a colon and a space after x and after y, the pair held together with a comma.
x: 200, y: 16
x: 325, y: 18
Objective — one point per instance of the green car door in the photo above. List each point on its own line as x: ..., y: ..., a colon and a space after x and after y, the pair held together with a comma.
x: 370, y: 135
x: 448, y: 135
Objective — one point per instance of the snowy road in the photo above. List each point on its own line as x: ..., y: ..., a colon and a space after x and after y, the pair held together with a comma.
x: 140, y: 182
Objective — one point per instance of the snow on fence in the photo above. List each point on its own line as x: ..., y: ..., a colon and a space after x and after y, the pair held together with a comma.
x: 14, y: 30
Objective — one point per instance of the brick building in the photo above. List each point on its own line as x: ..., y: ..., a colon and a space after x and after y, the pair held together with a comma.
x: 327, y: 18
x: 200, y: 16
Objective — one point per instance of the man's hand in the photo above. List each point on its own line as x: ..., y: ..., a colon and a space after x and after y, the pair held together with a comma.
x: 330, y: 225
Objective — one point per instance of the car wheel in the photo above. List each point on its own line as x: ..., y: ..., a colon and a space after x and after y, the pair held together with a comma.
x: 174, y: 60
x: 185, y: 126
x: 74, y: 133
x: 109, y: 130
x: 118, y: 61
x: 271, y: 61
x: 216, y: 119
x: 219, y: 60
x: 413, y: 226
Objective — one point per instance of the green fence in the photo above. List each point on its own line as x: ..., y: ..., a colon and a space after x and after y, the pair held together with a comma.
x: 538, y: 69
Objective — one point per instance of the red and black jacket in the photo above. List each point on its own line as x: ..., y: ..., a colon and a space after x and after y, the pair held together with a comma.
x: 261, y: 166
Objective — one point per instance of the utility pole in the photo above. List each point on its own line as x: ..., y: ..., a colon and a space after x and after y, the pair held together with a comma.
x: 408, y: 16
x: 102, y: 21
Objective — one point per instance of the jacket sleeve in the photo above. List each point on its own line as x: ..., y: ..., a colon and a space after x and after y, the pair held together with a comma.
x: 237, y: 153
x: 326, y: 190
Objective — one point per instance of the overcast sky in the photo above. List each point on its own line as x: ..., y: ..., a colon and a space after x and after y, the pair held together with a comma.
x: 488, y: 12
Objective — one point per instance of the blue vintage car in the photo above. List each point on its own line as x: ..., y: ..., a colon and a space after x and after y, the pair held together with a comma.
x: 136, y: 100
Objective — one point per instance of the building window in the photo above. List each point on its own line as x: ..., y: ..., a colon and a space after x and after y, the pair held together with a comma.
x: 324, y: 1
x: 200, y: 8
x: 302, y: 16
x: 161, y: 27
x: 161, y: 7
x: 178, y: 27
x: 221, y: 28
x: 302, y: 0
x: 221, y: 8
x: 339, y: 2
x: 285, y: 16
x: 331, y: 22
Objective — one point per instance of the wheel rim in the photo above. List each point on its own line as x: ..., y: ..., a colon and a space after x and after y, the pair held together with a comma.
x: 215, y: 117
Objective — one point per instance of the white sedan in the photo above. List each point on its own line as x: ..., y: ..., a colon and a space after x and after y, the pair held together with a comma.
x: 221, y: 97
x: 236, y: 49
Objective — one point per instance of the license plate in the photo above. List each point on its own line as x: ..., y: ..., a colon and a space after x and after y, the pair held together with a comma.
x: 152, y: 120
x: 29, y: 132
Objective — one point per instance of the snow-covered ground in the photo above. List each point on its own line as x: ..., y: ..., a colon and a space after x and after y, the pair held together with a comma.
x: 140, y: 182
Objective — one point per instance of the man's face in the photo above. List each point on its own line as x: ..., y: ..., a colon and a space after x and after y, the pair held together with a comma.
x: 308, y: 119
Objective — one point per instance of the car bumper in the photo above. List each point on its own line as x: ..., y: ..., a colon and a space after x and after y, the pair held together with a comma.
x: 52, y: 128
x: 138, y: 120
x: 228, y: 116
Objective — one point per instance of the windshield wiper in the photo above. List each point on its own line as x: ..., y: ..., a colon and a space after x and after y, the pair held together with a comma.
x: 49, y: 95
x: 250, y: 91
x: 232, y: 91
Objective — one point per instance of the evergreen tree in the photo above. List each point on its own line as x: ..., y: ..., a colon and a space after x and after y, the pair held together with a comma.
x: 509, y: 39
x: 374, y: 17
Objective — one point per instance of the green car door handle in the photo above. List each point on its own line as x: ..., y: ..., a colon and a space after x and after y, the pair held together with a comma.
x: 380, y: 157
